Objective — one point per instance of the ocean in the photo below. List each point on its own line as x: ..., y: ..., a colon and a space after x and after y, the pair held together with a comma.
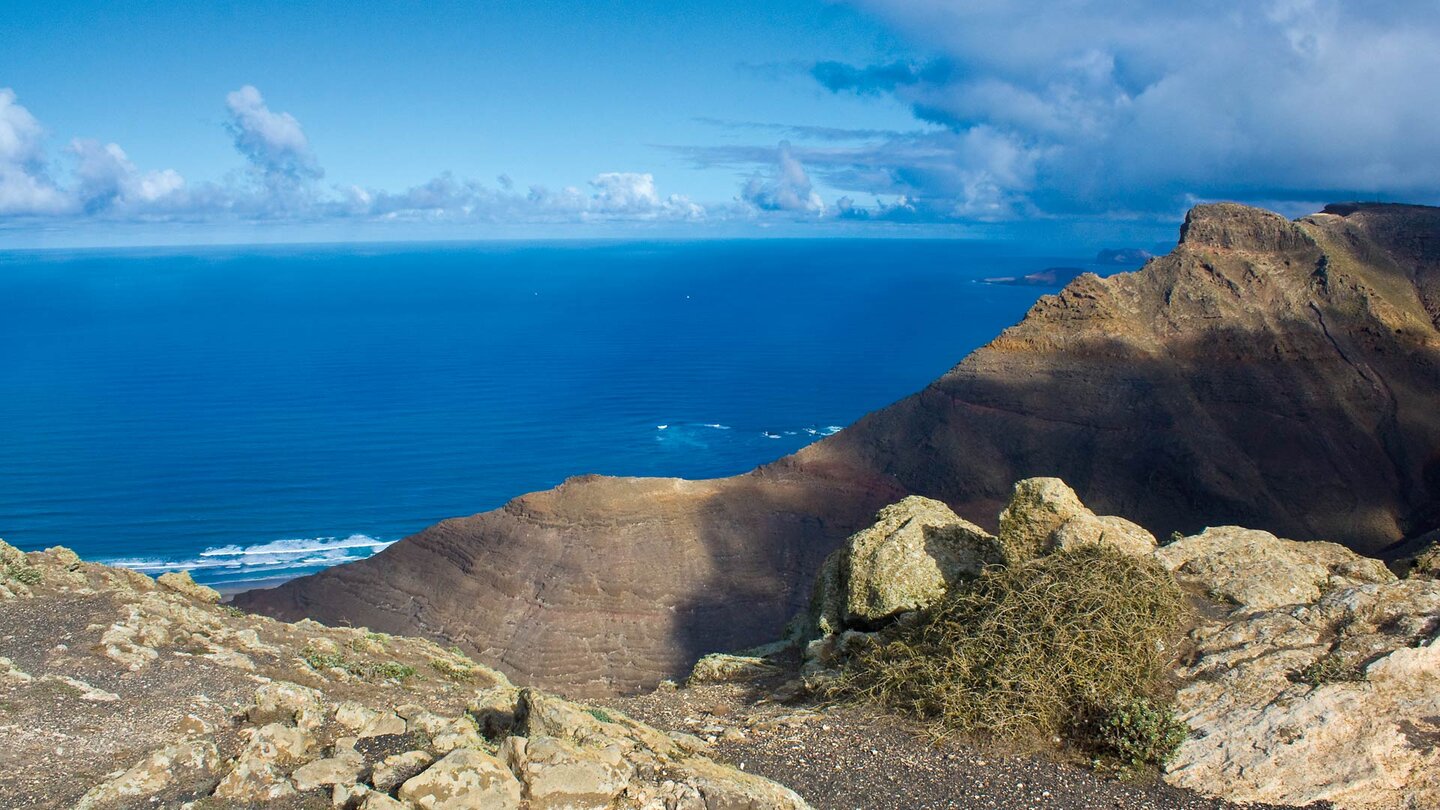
x: 254, y: 413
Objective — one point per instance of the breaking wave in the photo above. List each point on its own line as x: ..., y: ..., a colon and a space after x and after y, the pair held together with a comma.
x: 273, y: 560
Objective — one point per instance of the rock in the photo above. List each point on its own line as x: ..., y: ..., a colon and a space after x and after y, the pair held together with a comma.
x: 254, y: 779
x: 464, y: 779
x: 394, y: 770
x: 1427, y: 563
x: 1336, y: 701
x: 338, y: 770
x: 560, y: 775
x: 184, y: 760
x: 181, y: 583
x: 1108, y: 530
x: 379, y: 801
x: 285, y: 702
x: 913, y: 553
x: 730, y: 789
x: 273, y: 742
x: 723, y: 667
x: 1256, y: 569
x: 1038, y: 506
x: 458, y: 733
x: 382, y: 724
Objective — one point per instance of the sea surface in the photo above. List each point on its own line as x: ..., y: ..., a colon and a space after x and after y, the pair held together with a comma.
x: 258, y: 412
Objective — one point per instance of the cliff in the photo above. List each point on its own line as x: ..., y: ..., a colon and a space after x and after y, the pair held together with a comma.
x: 1275, y: 374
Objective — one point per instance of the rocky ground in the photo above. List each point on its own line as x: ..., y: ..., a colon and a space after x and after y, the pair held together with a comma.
x: 118, y: 691
x: 853, y: 758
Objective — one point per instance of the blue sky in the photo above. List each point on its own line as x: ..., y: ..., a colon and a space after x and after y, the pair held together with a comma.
x: 1098, y: 120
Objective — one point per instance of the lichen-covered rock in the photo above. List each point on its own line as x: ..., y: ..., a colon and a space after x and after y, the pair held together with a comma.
x: 1102, y: 530
x: 464, y: 779
x: 1256, y: 569
x: 1334, y: 701
x: 908, y: 559
x: 394, y: 770
x: 560, y: 775
x: 343, y: 769
x: 1038, y: 506
x: 180, y: 582
x: 721, y: 667
x: 181, y: 760
x: 254, y: 779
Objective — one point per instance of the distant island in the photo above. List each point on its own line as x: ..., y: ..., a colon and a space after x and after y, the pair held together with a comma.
x: 1049, y: 277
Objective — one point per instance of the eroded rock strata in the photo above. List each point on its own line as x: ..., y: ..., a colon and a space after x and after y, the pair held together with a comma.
x: 1267, y: 373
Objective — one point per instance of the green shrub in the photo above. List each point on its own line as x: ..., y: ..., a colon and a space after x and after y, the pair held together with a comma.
x: 369, y: 670
x: 452, y: 670
x: 23, y: 574
x: 601, y: 715
x: 1030, y: 649
x: 1138, y: 732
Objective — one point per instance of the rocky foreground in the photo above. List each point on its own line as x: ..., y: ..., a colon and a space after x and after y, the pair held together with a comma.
x: 118, y: 691
x: 1267, y: 373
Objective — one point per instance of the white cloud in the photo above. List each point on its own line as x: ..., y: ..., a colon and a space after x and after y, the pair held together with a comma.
x: 273, y: 142
x: 788, y: 189
x: 1130, y: 105
x: 106, y: 179
x: 24, y: 186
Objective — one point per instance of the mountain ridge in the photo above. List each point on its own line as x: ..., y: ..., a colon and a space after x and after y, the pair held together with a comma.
x: 1267, y: 373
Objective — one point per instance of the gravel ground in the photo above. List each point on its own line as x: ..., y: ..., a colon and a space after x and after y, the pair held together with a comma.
x: 849, y: 758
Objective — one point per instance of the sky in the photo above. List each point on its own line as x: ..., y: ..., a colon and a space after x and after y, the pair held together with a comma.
x: 1062, y: 121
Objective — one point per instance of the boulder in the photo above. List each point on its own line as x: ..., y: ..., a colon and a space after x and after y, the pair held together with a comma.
x: 722, y: 667
x: 1335, y: 701
x: 1098, y: 530
x: 1427, y: 563
x: 560, y: 775
x: 906, y: 561
x: 464, y: 779
x: 180, y: 582
x: 343, y: 769
x: 1256, y: 569
x: 396, y: 769
x: 149, y: 776
x: 254, y: 779
x: 1038, y: 506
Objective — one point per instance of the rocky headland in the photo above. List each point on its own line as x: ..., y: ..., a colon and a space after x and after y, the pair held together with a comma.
x: 1267, y: 373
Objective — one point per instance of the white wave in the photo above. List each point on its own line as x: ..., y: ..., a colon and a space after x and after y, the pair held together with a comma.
x: 661, y: 427
x: 767, y: 434
x: 831, y: 430
x: 716, y: 426
x: 272, y: 558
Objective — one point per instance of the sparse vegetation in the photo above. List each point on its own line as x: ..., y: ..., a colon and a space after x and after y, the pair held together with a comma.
x: 453, y: 670
x: 601, y: 715
x: 1032, y: 649
x: 1329, y: 668
x: 1137, y: 732
x: 22, y: 573
x: 370, y: 670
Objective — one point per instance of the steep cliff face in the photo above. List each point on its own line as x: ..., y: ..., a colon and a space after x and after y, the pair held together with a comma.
x: 1276, y: 374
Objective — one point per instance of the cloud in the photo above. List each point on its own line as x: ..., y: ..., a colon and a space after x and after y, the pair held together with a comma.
x: 273, y: 142
x: 1132, y: 107
x: 788, y: 189
x: 106, y: 179
x: 281, y: 183
x: 24, y: 186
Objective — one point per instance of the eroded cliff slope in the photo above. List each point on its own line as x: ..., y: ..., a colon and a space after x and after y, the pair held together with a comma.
x: 1276, y: 374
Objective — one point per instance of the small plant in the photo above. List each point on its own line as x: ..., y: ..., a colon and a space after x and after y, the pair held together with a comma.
x: 601, y: 715
x: 452, y: 670
x: 23, y: 574
x: 232, y: 611
x: 370, y: 670
x: 1139, y: 732
x: 1174, y: 537
x: 1328, y: 668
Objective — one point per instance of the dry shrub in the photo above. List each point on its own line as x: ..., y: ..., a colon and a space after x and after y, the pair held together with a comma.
x: 1031, y: 649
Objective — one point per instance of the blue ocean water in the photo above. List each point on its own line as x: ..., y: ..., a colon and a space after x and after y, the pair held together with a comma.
x: 249, y: 413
